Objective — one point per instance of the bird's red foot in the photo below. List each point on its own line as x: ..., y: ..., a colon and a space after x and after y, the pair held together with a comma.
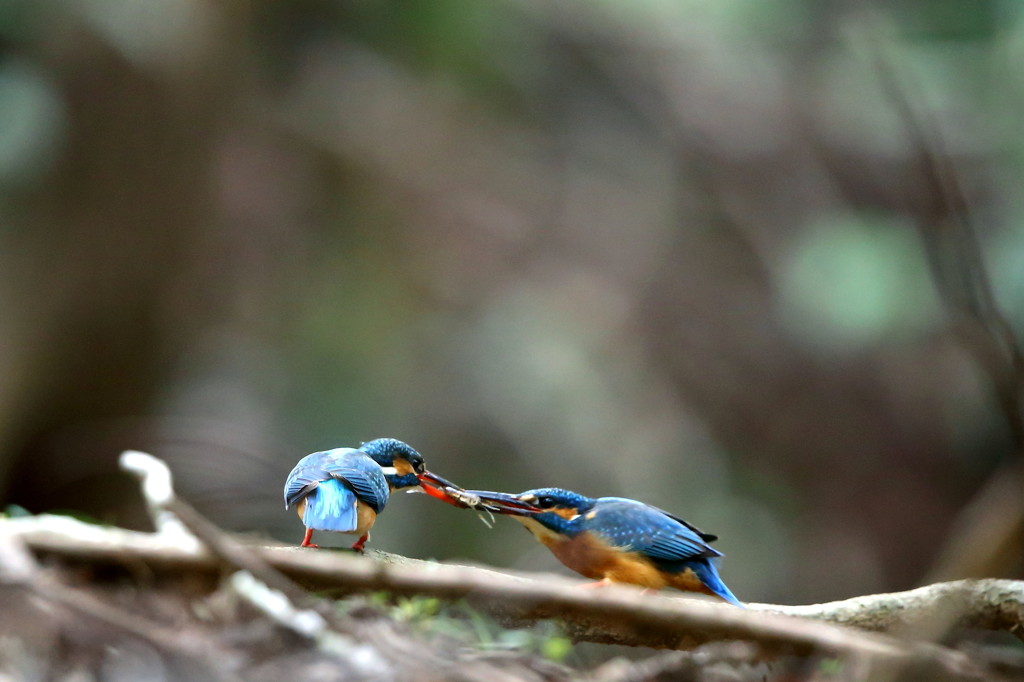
x: 604, y: 582
x: 359, y: 544
x: 306, y: 540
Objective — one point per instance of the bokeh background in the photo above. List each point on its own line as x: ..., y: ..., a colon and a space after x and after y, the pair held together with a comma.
x: 672, y: 250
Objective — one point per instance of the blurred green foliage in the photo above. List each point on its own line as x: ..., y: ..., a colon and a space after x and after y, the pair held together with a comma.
x: 853, y: 282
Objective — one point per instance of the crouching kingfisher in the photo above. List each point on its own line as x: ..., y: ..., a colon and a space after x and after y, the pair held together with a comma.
x: 615, y: 539
x: 343, y: 490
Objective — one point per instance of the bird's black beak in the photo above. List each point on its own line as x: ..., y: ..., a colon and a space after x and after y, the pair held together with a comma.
x: 440, y: 488
x: 485, y: 500
x: 432, y: 479
x: 498, y: 503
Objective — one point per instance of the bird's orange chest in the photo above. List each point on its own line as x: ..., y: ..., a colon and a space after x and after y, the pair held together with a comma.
x: 365, y: 518
x: 584, y: 554
x: 590, y: 556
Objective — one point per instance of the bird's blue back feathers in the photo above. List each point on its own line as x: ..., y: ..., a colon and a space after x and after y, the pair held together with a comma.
x: 331, y: 506
x: 636, y: 526
x: 649, y: 530
x: 353, y: 467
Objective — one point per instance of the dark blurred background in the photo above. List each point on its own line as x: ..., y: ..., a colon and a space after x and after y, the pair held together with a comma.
x: 674, y: 251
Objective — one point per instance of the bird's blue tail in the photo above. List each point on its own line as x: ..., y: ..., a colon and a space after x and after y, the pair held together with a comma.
x: 708, y: 575
x: 332, y: 506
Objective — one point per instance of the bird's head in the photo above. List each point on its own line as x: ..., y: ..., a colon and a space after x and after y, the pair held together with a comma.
x: 559, y: 501
x: 405, y: 469
x: 403, y: 466
x: 542, y: 503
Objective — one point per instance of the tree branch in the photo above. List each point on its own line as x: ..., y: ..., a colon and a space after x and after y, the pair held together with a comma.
x: 617, y: 614
x: 988, y: 604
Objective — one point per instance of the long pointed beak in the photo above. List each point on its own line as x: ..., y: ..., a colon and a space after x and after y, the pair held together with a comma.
x: 498, y: 503
x: 501, y: 503
x: 441, y: 488
x: 432, y: 478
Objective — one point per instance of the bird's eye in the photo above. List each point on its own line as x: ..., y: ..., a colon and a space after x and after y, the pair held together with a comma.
x: 419, y: 467
x: 545, y: 502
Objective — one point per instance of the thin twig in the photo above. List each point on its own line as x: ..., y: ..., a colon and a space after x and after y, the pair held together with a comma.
x: 171, y: 514
x: 259, y: 582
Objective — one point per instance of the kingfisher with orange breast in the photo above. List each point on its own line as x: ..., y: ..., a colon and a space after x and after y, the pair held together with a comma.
x: 344, y: 489
x: 612, y: 539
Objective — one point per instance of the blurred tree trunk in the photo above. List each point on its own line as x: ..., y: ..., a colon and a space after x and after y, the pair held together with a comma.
x: 102, y: 250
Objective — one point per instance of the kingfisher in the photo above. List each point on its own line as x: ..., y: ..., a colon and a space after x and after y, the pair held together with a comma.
x: 614, y: 539
x: 343, y: 489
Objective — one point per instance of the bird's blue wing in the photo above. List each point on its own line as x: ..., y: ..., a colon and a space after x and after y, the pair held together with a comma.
x: 306, y: 476
x: 344, y: 464
x: 706, y: 537
x: 641, y: 528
